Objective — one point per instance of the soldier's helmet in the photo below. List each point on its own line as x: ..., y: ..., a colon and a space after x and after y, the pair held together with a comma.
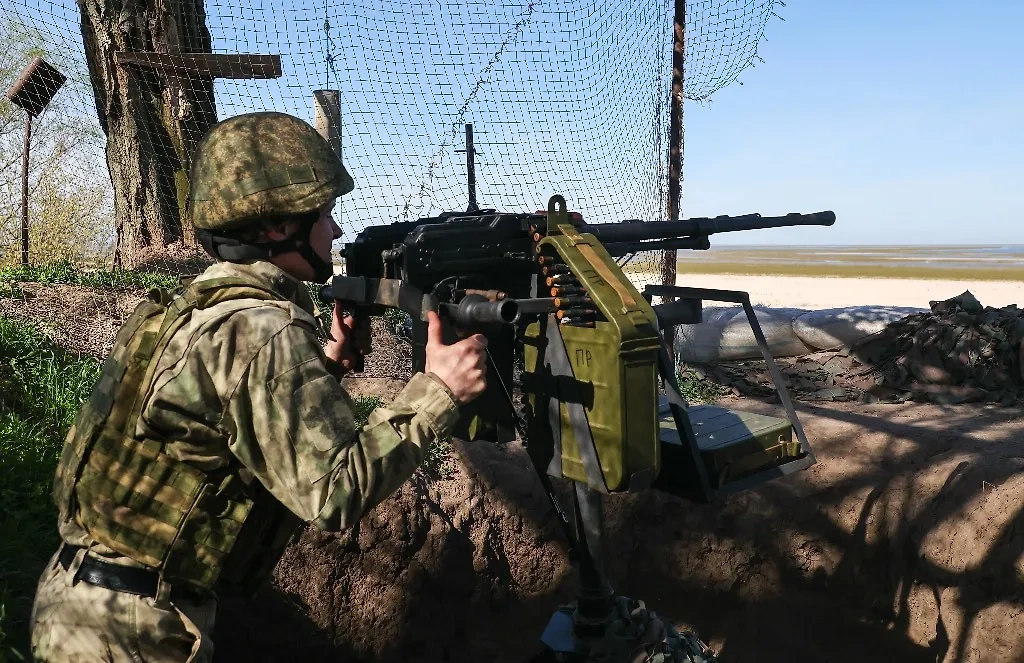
x: 261, y: 165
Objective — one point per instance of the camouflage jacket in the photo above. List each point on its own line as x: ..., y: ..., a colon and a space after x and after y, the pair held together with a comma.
x: 248, y: 379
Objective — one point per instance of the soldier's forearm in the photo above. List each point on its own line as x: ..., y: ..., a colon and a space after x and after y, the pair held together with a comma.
x: 376, y: 467
x: 388, y: 450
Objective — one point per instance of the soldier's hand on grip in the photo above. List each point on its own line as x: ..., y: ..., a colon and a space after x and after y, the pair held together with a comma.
x: 461, y: 366
x: 350, y: 339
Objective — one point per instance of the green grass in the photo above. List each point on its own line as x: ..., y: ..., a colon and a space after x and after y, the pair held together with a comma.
x: 11, y: 290
x: 697, y: 389
x: 41, y: 388
x: 396, y: 318
x: 364, y: 406
x: 66, y: 272
x: 438, y: 462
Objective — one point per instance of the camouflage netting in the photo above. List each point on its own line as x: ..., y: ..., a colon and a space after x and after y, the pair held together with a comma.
x: 959, y: 352
x: 564, y: 96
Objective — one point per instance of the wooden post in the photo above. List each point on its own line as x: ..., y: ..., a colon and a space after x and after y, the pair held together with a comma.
x: 24, y: 188
x: 675, y: 150
x: 327, y: 117
x: 244, y: 66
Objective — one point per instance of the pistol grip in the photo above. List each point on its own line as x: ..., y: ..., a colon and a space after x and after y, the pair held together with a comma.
x: 360, y: 316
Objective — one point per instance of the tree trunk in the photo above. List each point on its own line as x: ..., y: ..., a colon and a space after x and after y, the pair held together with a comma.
x: 152, y: 119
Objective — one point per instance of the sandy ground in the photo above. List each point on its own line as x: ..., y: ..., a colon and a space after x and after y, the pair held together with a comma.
x: 821, y: 292
x: 827, y: 292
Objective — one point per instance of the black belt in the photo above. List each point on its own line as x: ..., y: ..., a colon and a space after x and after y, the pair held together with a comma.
x: 127, y: 579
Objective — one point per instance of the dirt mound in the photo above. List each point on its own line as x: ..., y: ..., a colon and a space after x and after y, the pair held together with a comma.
x: 905, y: 542
x: 80, y: 318
x: 175, y: 259
x: 460, y: 568
x: 958, y: 352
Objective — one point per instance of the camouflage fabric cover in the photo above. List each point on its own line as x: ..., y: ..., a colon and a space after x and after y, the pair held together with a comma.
x: 246, y: 380
x: 959, y: 351
x: 262, y: 164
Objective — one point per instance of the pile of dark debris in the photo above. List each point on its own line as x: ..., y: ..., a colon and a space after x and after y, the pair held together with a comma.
x: 958, y: 352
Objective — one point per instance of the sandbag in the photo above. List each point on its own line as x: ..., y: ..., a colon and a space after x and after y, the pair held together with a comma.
x: 725, y: 335
x: 841, y: 327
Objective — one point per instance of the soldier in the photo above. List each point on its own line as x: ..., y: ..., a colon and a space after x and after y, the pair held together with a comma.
x: 219, y: 422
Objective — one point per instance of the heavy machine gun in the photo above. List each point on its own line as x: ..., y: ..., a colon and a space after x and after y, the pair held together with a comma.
x: 591, y: 364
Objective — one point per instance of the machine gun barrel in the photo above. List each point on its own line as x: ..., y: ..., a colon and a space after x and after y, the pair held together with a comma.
x: 475, y: 311
x: 638, y: 232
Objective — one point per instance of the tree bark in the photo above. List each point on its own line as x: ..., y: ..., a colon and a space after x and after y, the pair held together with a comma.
x: 152, y: 119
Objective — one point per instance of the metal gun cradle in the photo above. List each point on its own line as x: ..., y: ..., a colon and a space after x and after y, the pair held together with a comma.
x: 593, y: 389
x: 737, y: 450
x: 601, y: 401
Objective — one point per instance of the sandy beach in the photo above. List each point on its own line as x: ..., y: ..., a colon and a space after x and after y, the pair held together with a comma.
x: 821, y: 292
x: 830, y: 292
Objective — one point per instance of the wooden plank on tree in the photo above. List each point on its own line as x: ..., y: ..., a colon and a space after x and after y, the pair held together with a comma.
x: 233, y: 65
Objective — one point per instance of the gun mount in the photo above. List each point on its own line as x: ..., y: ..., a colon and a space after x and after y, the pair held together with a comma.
x: 546, y: 291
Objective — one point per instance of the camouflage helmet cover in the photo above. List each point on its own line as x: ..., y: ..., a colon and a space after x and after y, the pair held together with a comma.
x: 262, y: 164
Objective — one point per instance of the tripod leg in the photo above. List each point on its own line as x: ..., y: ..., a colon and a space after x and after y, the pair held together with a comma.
x: 594, y: 608
x: 594, y: 593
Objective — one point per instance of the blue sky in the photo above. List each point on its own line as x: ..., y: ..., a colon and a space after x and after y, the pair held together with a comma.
x: 905, y: 118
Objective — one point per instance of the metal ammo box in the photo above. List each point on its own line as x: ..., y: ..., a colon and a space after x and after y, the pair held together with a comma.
x: 605, y: 377
x: 734, y: 446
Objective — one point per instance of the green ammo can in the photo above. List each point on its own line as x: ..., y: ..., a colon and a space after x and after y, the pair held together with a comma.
x: 734, y: 447
x: 604, y: 375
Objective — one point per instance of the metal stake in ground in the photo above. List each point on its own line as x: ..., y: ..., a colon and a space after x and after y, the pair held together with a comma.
x: 24, y: 189
x: 470, y: 169
x: 32, y: 91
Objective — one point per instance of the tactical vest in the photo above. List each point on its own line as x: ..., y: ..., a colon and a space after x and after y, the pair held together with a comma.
x: 200, y: 529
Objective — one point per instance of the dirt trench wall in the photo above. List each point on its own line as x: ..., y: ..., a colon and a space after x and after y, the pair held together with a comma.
x: 444, y: 570
x: 904, y: 542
